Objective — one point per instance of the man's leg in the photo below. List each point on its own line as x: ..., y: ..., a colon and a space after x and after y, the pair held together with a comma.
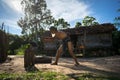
x: 70, y: 48
x: 59, y: 51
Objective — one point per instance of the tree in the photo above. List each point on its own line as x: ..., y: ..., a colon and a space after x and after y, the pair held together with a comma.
x: 78, y: 24
x: 117, y: 20
x: 37, y: 18
x: 115, y: 42
x: 61, y: 23
x: 15, y: 42
x: 3, y: 44
x: 89, y: 21
x: 116, y: 35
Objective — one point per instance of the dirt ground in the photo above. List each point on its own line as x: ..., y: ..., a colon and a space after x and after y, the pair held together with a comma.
x: 104, y: 66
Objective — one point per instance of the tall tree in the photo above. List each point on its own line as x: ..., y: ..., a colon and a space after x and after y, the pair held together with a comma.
x: 3, y: 43
x: 117, y: 20
x: 61, y: 23
x: 78, y: 24
x: 37, y: 18
x: 88, y: 21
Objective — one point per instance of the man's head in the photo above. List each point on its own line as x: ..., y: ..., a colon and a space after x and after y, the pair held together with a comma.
x: 53, y: 29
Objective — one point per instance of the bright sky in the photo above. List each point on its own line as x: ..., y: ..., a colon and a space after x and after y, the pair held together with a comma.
x: 71, y: 10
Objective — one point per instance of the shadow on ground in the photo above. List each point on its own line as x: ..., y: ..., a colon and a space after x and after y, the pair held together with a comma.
x: 91, y: 70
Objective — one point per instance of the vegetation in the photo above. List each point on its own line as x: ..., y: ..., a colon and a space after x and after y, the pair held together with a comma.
x: 117, y: 20
x: 37, y: 18
x: 49, y: 75
x: 3, y: 44
x: 15, y: 42
x: 46, y: 75
x: 61, y: 23
x: 116, y: 41
x: 21, y: 50
x: 89, y: 21
x: 116, y: 35
x: 78, y: 24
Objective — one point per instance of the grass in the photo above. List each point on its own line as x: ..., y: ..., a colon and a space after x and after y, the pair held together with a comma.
x: 40, y: 75
x: 49, y: 75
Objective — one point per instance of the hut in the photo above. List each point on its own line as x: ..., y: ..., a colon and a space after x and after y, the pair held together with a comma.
x: 90, y: 40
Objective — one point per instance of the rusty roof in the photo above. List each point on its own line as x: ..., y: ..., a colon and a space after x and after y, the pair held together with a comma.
x: 102, y: 28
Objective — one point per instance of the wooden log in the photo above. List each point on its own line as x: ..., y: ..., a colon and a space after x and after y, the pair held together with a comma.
x: 41, y: 59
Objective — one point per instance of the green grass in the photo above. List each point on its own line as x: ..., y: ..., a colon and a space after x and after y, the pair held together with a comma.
x: 40, y: 75
x: 49, y: 75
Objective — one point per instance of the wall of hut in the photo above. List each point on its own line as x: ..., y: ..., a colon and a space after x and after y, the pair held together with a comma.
x: 96, y: 44
x: 96, y: 40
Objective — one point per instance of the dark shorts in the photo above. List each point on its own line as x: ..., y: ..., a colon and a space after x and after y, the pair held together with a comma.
x: 65, y: 43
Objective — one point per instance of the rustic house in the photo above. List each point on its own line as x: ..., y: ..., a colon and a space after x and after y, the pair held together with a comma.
x: 92, y: 40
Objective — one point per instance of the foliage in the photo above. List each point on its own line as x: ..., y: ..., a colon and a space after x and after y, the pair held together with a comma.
x: 15, y: 42
x: 89, y: 21
x: 46, y: 75
x: 3, y: 43
x: 117, y: 20
x: 37, y: 18
x: 21, y: 50
x: 61, y: 23
x: 116, y: 41
x: 78, y: 24
x: 49, y: 75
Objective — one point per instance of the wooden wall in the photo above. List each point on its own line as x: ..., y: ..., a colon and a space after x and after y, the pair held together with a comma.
x: 96, y: 40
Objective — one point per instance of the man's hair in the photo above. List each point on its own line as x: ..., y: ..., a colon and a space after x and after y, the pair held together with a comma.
x: 53, y: 28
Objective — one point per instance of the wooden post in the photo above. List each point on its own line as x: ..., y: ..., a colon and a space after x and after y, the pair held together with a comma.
x: 84, y: 42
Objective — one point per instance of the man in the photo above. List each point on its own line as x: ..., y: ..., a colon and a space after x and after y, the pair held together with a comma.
x: 66, y: 43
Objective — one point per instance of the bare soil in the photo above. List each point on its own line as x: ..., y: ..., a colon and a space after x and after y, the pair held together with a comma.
x: 109, y: 66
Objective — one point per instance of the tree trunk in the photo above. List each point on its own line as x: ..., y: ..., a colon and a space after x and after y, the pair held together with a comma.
x: 3, y: 46
x: 29, y: 57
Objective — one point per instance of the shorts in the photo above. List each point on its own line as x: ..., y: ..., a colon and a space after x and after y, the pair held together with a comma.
x: 65, y: 43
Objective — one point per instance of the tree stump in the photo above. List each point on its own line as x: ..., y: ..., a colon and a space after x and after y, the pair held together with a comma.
x: 29, y: 57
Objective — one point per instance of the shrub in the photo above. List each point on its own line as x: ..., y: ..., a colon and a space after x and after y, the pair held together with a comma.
x: 21, y: 50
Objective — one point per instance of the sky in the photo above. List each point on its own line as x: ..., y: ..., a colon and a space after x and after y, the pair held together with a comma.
x: 71, y: 10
